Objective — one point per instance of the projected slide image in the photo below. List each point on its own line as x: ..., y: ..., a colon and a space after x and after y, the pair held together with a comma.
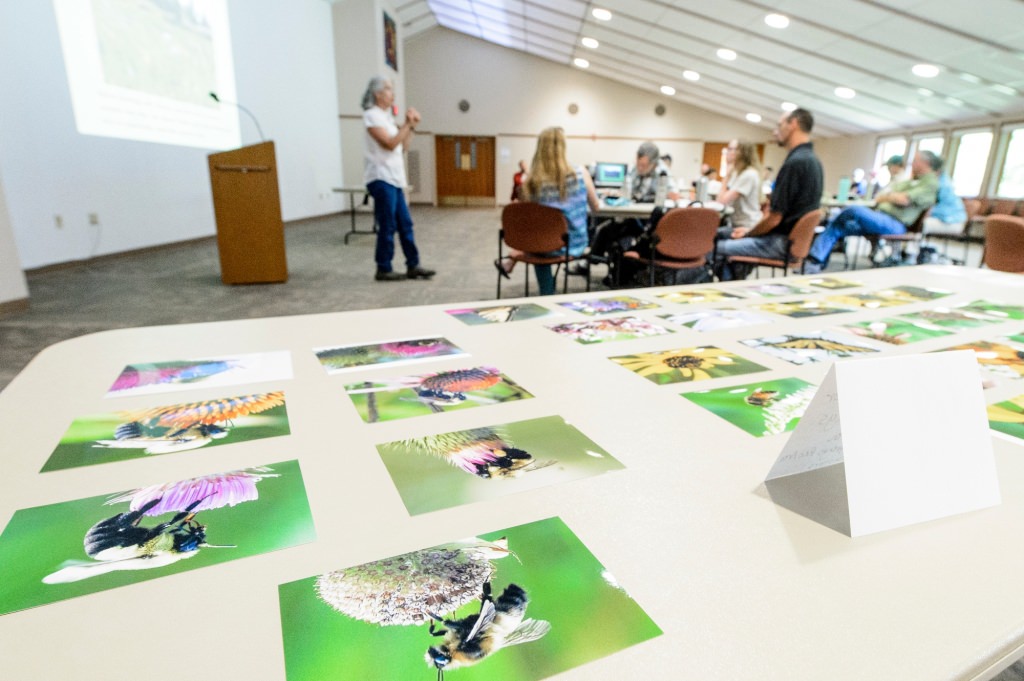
x: 144, y: 70
x: 163, y: 47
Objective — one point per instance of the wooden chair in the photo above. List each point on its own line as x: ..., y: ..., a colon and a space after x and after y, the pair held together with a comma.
x: 1004, y: 243
x: 799, y: 246
x: 683, y: 239
x: 531, y: 229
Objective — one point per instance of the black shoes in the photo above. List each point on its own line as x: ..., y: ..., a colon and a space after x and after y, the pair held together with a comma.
x: 389, y: 276
x: 419, y: 273
x: 499, y: 264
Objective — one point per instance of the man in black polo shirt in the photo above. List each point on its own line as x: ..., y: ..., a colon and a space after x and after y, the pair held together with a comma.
x: 797, y: 191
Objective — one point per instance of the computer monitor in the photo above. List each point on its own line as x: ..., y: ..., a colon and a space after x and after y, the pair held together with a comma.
x: 609, y: 175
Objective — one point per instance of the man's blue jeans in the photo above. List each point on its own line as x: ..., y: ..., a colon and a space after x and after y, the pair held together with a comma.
x: 854, y: 221
x: 392, y: 215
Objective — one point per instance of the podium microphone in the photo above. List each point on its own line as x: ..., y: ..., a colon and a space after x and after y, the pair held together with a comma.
x: 214, y: 97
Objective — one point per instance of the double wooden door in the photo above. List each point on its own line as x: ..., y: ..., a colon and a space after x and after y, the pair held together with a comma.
x: 465, y: 170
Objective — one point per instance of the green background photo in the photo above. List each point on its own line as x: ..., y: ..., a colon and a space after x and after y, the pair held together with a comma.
x: 730, y: 403
x: 720, y: 363
x: 427, y: 483
x: 1008, y: 417
x: 39, y: 540
x: 590, y: 617
x: 894, y: 328
x: 76, y: 446
x: 402, y: 403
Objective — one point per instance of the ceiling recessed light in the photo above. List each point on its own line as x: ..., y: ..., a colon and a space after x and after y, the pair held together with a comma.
x: 925, y: 70
x: 581, y: 62
x: 601, y: 14
x: 1004, y: 89
x: 590, y: 42
x: 691, y: 75
x: 777, y: 20
x: 788, y: 106
x: 970, y: 78
x: 726, y: 54
x: 845, y: 92
x: 912, y: 111
x: 924, y: 92
x: 668, y: 90
x: 954, y: 101
x: 753, y: 117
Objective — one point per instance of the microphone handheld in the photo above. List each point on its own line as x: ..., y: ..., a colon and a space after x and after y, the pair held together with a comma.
x: 214, y: 97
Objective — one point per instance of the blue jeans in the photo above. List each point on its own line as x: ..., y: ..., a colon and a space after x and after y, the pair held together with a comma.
x: 545, y: 277
x: 854, y: 221
x: 771, y: 245
x: 392, y: 215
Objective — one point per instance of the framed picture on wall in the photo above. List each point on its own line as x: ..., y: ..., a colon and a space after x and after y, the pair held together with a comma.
x: 390, y: 42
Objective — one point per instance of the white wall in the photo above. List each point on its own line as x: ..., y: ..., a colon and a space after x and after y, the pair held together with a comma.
x: 148, y: 194
x: 12, y: 279
x: 514, y: 95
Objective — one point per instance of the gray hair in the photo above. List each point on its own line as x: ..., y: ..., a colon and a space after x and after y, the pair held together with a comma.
x: 650, y: 150
x: 375, y: 85
x: 933, y: 160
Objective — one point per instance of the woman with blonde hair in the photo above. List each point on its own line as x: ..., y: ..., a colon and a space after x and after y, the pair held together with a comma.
x: 743, y: 188
x: 551, y: 181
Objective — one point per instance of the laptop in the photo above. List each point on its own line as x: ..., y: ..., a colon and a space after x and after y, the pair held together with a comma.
x: 609, y: 175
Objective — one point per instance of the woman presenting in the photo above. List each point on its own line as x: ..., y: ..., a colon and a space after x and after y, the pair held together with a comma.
x: 384, y: 173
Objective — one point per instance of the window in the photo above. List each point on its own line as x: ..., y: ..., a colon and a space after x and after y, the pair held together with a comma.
x: 887, y: 148
x: 1011, y: 178
x: 971, y: 149
x: 932, y: 143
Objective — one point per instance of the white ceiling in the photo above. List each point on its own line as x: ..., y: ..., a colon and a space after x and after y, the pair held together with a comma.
x: 867, y: 45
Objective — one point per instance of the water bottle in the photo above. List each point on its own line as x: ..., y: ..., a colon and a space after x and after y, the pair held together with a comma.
x: 702, y: 190
x: 661, y: 191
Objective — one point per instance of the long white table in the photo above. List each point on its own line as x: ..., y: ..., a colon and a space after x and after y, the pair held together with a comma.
x: 742, y: 588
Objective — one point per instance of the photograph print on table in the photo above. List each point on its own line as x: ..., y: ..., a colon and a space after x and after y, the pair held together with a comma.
x: 776, y: 289
x: 698, y: 295
x: 59, y: 551
x: 814, y: 346
x: 1008, y: 417
x: 336, y: 359
x: 718, y: 319
x: 896, y: 331
x: 996, y: 358
x: 462, y: 467
x: 610, y: 305
x: 699, y: 363
x: 798, y: 309
x: 163, y: 377
x: 609, y: 329
x: 954, y: 319
x: 423, y: 394
x: 134, y: 434
x: 517, y: 604
x: 766, y: 408
x: 829, y: 283
x: 499, y: 314
x: 996, y: 310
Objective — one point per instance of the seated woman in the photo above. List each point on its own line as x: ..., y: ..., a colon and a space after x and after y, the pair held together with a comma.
x: 743, y: 188
x: 551, y: 181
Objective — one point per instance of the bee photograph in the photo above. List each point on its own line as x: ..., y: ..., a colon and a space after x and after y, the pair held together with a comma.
x: 500, y: 314
x: 138, y: 433
x: 765, y: 408
x: 148, y: 378
x: 700, y: 363
x: 65, y: 550
x: 517, y: 604
x: 466, y: 466
x: 342, y: 358
x: 434, y: 393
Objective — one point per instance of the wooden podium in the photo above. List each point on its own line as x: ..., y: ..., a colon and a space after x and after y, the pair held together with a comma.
x: 247, y: 208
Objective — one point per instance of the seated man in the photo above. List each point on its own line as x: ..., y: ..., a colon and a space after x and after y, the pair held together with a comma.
x: 797, y: 191
x: 642, y: 184
x: 898, y: 207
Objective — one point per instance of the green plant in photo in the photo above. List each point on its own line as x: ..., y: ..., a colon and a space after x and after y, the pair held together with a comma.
x: 765, y: 408
x: 699, y: 363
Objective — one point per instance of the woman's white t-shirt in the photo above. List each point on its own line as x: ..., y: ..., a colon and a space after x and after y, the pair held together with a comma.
x: 379, y: 163
x: 747, y: 206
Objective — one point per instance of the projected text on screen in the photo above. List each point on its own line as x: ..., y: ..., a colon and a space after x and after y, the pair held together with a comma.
x: 143, y: 70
